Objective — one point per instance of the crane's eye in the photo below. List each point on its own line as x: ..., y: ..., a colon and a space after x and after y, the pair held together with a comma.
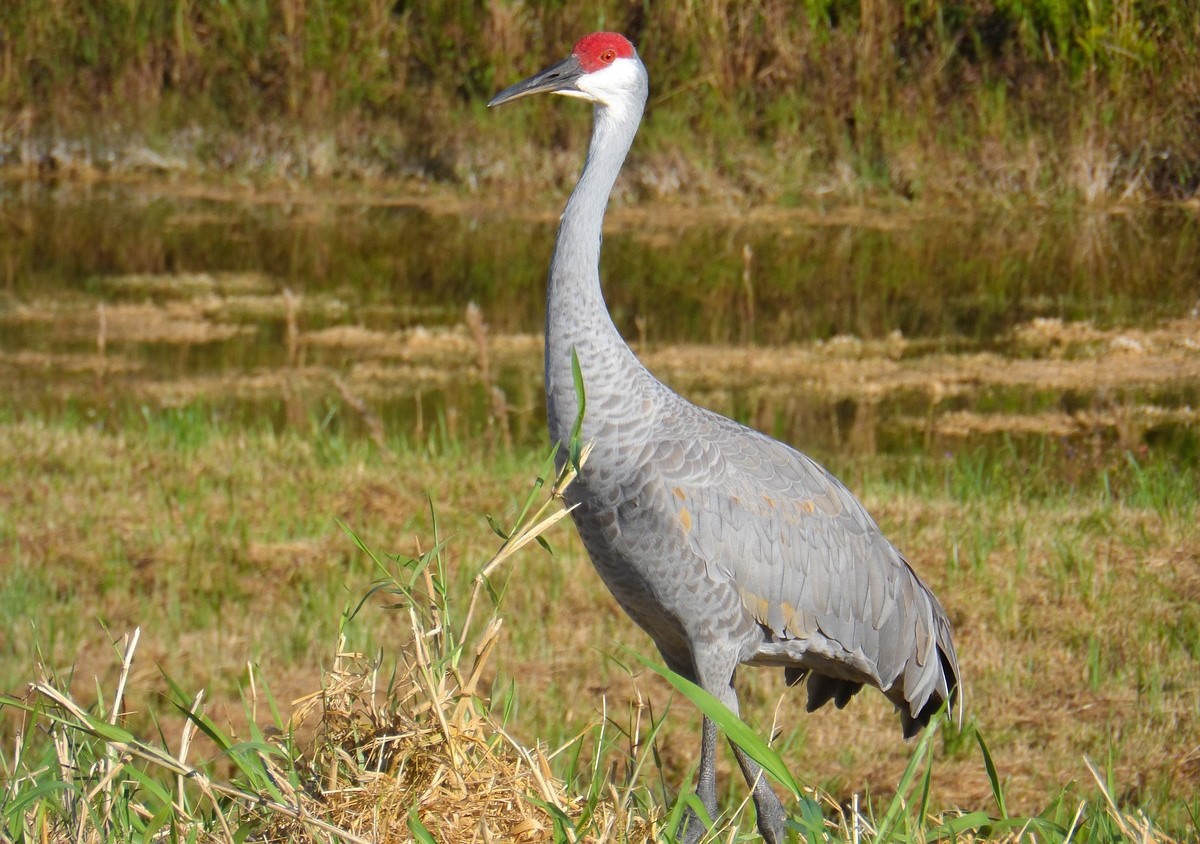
x: 608, y: 55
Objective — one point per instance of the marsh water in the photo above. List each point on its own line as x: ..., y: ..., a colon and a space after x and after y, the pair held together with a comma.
x: 840, y: 329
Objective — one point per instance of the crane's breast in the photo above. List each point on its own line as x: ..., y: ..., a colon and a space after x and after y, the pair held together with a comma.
x: 638, y: 545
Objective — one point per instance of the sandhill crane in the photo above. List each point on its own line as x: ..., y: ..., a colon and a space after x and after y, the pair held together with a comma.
x: 726, y: 546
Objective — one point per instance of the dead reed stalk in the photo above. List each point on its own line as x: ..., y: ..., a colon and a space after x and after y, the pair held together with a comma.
x: 497, y: 419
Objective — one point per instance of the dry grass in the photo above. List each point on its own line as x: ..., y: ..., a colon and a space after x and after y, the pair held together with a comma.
x: 417, y: 757
x: 411, y: 752
x: 392, y: 750
x: 428, y: 749
x: 1070, y: 568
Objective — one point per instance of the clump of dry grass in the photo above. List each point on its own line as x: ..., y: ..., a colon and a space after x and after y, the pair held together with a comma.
x: 424, y: 754
x: 420, y: 759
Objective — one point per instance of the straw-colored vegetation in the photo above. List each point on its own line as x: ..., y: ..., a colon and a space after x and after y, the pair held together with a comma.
x: 1076, y: 616
x: 377, y: 754
x: 787, y: 102
x: 1068, y: 563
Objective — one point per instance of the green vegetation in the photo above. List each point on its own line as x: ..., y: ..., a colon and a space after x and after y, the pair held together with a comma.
x: 777, y: 101
x: 366, y: 740
x: 195, y: 394
x: 1069, y: 584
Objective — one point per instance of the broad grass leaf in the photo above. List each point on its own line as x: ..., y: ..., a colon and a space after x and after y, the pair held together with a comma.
x: 739, y: 732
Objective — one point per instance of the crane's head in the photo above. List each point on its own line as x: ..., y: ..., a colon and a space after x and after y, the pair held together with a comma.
x: 603, y: 68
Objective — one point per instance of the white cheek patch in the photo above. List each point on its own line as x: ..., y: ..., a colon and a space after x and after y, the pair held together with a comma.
x: 609, y: 84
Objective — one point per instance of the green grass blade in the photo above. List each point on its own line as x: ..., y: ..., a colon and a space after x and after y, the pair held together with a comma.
x: 14, y: 703
x: 37, y: 793
x: 495, y: 526
x: 149, y: 783
x: 1049, y: 829
x: 546, y: 471
x: 926, y: 781
x: 953, y: 828
x: 419, y: 831
x: 921, y: 755
x: 738, y: 731
x: 993, y: 777
x: 562, y: 823
x: 183, y: 705
x: 106, y: 731
x: 678, y: 810
x: 811, y: 821
x: 362, y: 546
x: 158, y: 821
x: 576, y: 444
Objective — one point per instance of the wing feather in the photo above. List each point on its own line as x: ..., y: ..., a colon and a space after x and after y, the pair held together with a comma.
x: 808, y: 561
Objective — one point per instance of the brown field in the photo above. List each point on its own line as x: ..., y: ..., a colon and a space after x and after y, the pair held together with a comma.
x: 1072, y: 579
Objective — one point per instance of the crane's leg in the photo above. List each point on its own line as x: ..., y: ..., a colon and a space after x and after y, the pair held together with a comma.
x: 714, y: 672
x: 770, y: 812
x: 771, y: 816
x: 706, y: 786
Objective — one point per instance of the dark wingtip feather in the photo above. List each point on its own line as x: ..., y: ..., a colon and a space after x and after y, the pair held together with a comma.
x: 950, y: 669
x: 821, y: 690
x: 845, y: 691
x: 913, y: 725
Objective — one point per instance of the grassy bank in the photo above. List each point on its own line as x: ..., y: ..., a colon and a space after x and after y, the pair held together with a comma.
x: 770, y: 101
x: 194, y: 395
x: 1073, y: 594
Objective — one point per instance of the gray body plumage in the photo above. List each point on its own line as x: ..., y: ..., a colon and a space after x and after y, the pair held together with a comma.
x: 727, y: 547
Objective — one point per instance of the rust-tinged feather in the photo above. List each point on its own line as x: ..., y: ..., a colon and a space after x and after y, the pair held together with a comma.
x: 924, y: 642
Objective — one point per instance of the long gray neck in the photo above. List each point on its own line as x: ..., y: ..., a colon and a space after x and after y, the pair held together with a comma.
x: 576, y: 316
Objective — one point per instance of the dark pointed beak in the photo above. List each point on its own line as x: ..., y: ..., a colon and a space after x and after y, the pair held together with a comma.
x: 560, y: 77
